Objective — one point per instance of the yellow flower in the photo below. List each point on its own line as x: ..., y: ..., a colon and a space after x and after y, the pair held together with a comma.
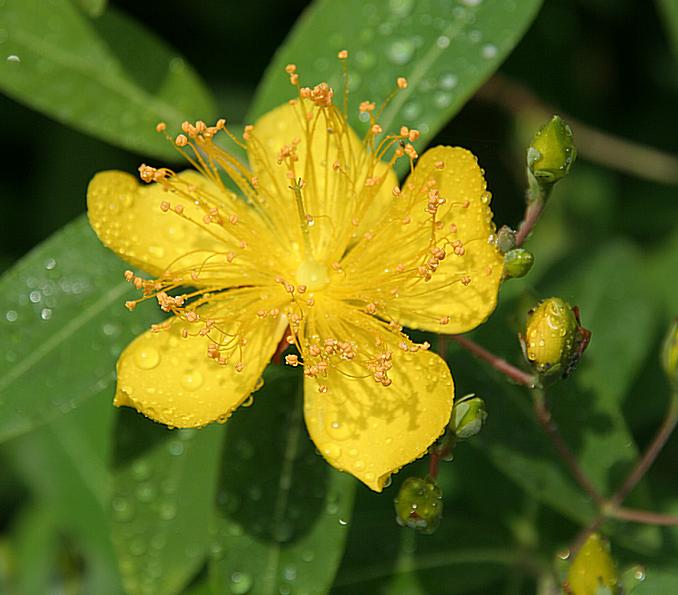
x: 325, y: 253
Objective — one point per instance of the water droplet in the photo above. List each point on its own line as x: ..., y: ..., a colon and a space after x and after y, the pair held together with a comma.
x: 46, y: 313
x: 147, y: 359
x: 50, y: 264
x: 175, y: 448
x: 241, y: 583
x: 248, y: 402
x: 343, y: 522
x: 14, y: 59
x: 441, y: 99
x: 489, y: 51
x: 145, y: 492
x: 168, y: 511
x: 307, y: 556
x: 192, y: 380
x: 400, y: 51
x: 331, y: 450
x: 338, y: 431
x: 290, y: 573
x: 283, y: 531
x: 35, y: 296
x: 448, y: 81
x: 11, y: 315
x: 443, y: 41
x: 401, y: 8
x: 471, y: 2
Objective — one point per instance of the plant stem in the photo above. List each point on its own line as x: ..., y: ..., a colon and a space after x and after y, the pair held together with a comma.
x: 532, y: 213
x: 643, y: 516
x: 655, y: 447
x: 498, y: 363
x: 546, y: 421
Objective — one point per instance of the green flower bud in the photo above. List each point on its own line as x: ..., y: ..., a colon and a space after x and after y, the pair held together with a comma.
x: 419, y: 505
x: 552, y: 151
x: 517, y: 263
x: 592, y: 571
x: 670, y: 354
x: 468, y: 417
x: 554, y: 339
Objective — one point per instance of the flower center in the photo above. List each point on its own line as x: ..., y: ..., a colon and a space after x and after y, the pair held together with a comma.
x: 313, y: 275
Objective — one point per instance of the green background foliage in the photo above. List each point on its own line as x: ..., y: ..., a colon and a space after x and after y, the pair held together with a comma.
x: 96, y: 500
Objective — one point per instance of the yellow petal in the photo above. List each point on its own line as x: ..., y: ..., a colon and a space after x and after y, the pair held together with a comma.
x: 334, y: 165
x: 172, y: 380
x: 462, y: 292
x: 371, y: 430
x: 127, y: 217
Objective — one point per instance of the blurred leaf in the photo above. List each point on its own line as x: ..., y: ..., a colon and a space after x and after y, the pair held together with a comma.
x: 163, y: 492
x: 668, y: 11
x: 63, y: 325
x: 109, y: 77
x: 445, y: 50
x: 93, y: 8
x: 34, y: 549
x: 282, y: 511
x: 658, y: 581
x: 65, y: 464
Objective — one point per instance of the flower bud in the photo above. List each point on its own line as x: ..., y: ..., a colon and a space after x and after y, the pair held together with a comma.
x: 554, y: 339
x: 670, y: 354
x: 592, y: 571
x: 551, y: 152
x: 468, y: 417
x: 419, y: 505
x: 517, y: 263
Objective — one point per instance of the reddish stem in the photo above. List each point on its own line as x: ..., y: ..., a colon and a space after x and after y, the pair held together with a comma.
x: 498, y: 363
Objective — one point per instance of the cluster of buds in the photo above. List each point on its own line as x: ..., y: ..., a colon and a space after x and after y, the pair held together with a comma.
x: 554, y: 339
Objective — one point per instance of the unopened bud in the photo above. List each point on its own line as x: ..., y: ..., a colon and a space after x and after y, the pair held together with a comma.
x: 468, y: 416
x: 670, y: 354
x: 419, y: 505
x: 554, y: 339
x: 517, y: 263
x: 592, y: 571
x: 552, y: 151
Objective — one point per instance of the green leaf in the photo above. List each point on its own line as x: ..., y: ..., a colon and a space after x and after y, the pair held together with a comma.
x: 658, y: 581
x: 282, y: 511
x: 109, y: 78
x: 668, y: 11
x: 65, y: 465
x: 93, y: 8
x: 446, y: 50
x: 163, y: 489
x: 63, y: 325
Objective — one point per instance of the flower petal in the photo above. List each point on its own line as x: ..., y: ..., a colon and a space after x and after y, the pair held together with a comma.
x: 371, y: 430
x: 171, y: 379
x: 335, y: 167
x: 462, y: 292
x: 128, y: 218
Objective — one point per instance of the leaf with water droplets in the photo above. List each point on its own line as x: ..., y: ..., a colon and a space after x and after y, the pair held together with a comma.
x: 63, y: 324
x: 446, y: 51
x: 282, y: 512
x: 80, y: 72
x: 163, y: 492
